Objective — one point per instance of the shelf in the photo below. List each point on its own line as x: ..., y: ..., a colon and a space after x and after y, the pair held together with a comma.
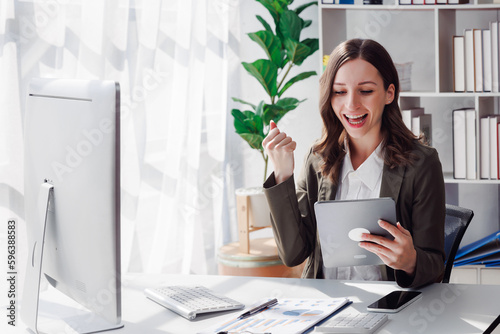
x: 410, y: 7
x: 448, y: 178
x: 447, y: 94
x: 475, y: 274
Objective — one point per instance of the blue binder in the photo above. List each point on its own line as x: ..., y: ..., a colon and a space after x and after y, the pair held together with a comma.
x: 484, y: 251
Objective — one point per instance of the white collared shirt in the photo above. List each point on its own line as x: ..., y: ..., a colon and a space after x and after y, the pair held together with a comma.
x: 362, y: 183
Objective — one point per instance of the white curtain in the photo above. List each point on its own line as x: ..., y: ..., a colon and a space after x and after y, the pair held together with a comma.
x: 174, y: 60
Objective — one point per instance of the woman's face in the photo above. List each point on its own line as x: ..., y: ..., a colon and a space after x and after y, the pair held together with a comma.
x: 359, y: 98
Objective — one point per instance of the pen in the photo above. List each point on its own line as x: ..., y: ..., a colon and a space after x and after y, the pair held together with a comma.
x: 258, y: 308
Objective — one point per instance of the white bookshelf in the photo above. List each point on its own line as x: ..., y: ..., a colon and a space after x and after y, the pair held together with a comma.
x: 422, y: 34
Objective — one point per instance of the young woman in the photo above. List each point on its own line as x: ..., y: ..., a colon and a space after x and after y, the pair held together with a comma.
x: 366, y: 151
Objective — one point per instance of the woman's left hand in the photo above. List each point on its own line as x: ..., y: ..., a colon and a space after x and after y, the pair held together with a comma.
x: 398, y: 253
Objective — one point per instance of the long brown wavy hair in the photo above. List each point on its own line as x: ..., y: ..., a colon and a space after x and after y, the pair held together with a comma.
x: 398, y: 139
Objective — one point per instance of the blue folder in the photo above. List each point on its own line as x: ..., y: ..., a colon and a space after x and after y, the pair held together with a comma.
x: 484, y: 251
x: 486, y: 260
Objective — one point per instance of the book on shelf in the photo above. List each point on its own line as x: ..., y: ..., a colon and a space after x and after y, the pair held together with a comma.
x: 489, y: 148
x: 484, y: 148
x: 494, y: 120
x: 418, y: 2
x: 429, y: 2
x: 477, y: 67
x: 494, y: 56
x: 422, y: 126
x: 464, y: 144
x: 458, y: 63
x: 478, y: 60
x: 469, y: 60
x: 459, y: 144
x: 408, y: 114
x: 470, y: 139
x: 487, y: 61
x: 405, y: 2
x: 441, y: 2
x: 457, y: 2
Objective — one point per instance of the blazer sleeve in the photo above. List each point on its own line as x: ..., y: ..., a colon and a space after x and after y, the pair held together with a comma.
x: 292, y: 214
x: 423, y: 214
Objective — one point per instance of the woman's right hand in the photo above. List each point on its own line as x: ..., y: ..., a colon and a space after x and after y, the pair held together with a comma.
x: 279, y: 148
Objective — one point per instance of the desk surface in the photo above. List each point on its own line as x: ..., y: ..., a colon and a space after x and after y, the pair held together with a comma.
x: 443, y: 308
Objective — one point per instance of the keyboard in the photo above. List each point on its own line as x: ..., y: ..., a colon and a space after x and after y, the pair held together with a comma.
x: 349, y: 321
x: 190, y: 301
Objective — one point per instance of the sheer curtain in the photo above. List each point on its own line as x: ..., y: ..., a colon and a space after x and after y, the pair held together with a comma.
x: 173, y: 60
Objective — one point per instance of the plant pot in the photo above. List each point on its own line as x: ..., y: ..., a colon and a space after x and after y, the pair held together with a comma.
x: 258, y: 210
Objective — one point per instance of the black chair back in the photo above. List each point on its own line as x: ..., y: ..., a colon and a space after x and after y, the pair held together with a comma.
x: 457, y: 221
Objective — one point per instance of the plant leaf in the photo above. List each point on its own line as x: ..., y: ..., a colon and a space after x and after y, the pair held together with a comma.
x: 298, y: 77
x: 254, y: 124
x: 255, y: 141
x: 270, y: 43
x: 289, y: 103
x: 275, y: 8
x: 312, y: 43
x: 239, y: 121
x: 244, y: 102
x: 281, y: 108
x: 296, y: 52
x: 307, y: 23
x: 272, y: 112
x: 284, y: 59
x: 265, y: 24
x: 260, y: 109
x: 290, y: 25
x: 299, y: 9
x: 265, y: 72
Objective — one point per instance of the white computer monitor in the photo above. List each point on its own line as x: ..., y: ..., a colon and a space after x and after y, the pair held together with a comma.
x: 72, y: 198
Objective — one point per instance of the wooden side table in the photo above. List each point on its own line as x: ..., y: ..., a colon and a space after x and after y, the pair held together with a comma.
x: 252, y: 257
x: 262, y: 260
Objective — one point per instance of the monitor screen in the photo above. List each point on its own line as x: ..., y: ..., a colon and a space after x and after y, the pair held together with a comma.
x: 72, y: 142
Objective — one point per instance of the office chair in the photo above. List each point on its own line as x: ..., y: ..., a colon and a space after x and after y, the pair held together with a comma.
x: 456, y: 222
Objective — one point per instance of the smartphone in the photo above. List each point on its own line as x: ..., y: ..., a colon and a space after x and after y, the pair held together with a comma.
x: 394, y: 301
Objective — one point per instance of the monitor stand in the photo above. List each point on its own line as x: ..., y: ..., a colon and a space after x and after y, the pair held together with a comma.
x: 31, y: 292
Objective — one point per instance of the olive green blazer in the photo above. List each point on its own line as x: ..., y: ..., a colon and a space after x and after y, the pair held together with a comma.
x: 418, y: 191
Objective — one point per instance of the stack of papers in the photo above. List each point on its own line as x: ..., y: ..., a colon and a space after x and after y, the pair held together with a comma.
x: 291, y: 315
x: 485, y: 251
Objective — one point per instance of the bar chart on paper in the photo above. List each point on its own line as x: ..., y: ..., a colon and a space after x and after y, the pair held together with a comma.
x: 291, y: 315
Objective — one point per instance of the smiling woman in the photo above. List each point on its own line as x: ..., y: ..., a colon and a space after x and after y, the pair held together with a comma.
x: 358, y: 101
x: 366, y: 151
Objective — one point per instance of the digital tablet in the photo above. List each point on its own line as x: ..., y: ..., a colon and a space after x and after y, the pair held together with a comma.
x: 340, y: 224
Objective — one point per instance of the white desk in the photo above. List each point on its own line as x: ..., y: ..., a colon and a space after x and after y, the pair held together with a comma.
x: 443, y: 308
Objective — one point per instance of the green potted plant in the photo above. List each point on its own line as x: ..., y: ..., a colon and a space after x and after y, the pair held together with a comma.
x: 284, y: 50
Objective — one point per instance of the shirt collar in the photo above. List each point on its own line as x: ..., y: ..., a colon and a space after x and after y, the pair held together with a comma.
x: 369, y: 171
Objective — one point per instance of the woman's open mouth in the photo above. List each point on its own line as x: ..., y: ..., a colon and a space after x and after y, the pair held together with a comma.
x: 355, y: 119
